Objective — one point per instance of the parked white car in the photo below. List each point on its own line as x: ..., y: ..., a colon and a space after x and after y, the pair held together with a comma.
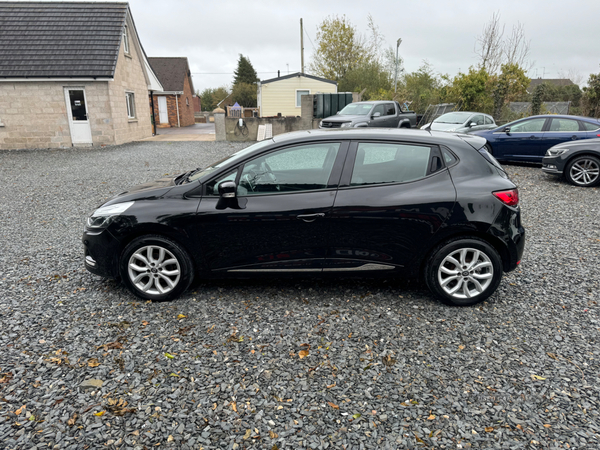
x: 461, y: 122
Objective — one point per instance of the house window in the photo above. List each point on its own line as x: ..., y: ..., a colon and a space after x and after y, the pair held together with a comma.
x: 299, y: 94
x: 130, y: 99
x: 125, y: 40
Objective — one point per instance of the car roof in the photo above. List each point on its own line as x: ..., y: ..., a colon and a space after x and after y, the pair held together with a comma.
x: 415, y: 135
x: 563, y: 116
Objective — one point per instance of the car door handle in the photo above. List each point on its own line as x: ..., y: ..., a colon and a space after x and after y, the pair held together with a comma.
x: 573, y: 138
x: 310, y: 217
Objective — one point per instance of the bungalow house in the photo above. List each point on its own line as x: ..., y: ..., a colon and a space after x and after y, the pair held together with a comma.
x: 174, y: 106
x: 281, y: 95
x: 72, y: 74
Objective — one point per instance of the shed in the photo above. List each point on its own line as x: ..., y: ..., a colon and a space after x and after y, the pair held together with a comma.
x: 282, y: 95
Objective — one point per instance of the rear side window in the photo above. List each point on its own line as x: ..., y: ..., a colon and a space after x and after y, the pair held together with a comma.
x: 564, y: 125
x: 378, y: 163
x: 590, y: 126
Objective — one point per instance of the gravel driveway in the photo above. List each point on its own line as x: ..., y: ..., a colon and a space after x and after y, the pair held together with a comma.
x: 285, y: 364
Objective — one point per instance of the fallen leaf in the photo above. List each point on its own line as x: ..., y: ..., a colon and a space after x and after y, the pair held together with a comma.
x: 329, y: 386
x: 489, y: 429
x: 234, y: 406
x: 419, y: 439
x: 431, y: 417
x: 93, y: 362
x: 547, y: 425
x: 356, y: 416
x: 145, y: 323
x: 333, y: 405
x: 99, y: 414
x: 303, y: 354
x: 72, y: 420
x: 168, y: 355
x: 537, y: 377
x: 180, y: 316
x: 461, y: 347
x: 20, y: 410
x: 247, y: 435
x: 136, y: 433
x: 552, y: 355
x: 170, y: 438
x: 273, y: 435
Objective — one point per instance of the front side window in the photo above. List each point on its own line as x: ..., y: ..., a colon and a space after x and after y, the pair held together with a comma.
x: 564, y: 125
x: 478, y: 120
x: 294, y: 169
x: 378, y: 109
x: 528, y: 126
x: 299, y: 94
x: 130, y: 100
x: 212, y: 187
x: 378, y: 163
x: 125, y: 40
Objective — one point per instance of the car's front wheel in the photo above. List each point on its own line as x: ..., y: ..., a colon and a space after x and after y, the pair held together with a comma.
x: 584, y: 171
x: 156, y: 268
x: 463, y: 272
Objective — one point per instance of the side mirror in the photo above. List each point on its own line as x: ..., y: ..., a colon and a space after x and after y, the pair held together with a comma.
x: 472, y: 124
x: 506, y: 130
x: 227, y: 189
x: 377, y: 114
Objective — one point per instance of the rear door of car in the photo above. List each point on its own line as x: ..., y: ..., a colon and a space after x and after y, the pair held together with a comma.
x: 280, y: 217
x: 562, y: 130
x: 393, y: 198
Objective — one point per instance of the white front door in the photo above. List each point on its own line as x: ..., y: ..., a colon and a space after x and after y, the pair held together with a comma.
x: 163, y: 114
x: 79, y: 123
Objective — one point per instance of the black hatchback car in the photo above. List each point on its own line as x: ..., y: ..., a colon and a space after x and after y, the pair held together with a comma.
x: 368, y: 201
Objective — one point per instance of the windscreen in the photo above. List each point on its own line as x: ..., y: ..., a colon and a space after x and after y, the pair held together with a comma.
x: 356, y: 109
x: 454, y: 117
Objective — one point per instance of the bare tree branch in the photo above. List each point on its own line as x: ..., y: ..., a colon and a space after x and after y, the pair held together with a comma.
x: 516, y: 48
x: 488, y: 46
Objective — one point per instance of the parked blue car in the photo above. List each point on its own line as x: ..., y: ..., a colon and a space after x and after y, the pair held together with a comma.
x: 528, y: 139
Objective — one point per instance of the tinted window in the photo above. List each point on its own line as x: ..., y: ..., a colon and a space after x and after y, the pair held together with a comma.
x: 528, y: 126
x: 590, y: 126
x: 212, y: 188
x: 564, y: 125
x: 301, y: 168
x: 389, y: 109
x: 378, y: 163
x: 378, y: 109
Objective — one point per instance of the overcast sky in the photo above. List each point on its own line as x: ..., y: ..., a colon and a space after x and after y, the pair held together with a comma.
x: 564, y: 35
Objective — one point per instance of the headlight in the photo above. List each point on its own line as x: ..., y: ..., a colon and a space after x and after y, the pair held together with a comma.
x: 346, y: 124
x: 321, y: 124
x: 555, y: 151
x: 102, y: 216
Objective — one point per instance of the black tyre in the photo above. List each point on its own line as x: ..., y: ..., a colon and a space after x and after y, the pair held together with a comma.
x: 463, y: 272
x: 156, y: 268
x: 583, y: 171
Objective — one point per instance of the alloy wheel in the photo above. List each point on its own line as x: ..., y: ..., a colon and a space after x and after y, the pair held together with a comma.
x: 465, y: 273
x: 584, y: 172
x: 154, y: 270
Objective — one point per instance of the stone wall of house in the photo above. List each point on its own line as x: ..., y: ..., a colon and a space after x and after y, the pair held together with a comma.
x: 33, y: 114
x: 129, y: 77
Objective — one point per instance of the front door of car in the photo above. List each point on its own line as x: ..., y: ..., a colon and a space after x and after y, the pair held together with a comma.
x: 523, y: 142
x: 562, y: 130
x: 378, y: 118
x: 280, y: 217
x: 393, y: 198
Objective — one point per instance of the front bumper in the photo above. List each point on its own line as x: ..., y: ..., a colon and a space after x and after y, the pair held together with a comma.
x: 101, y: 251
x: 552, y: 166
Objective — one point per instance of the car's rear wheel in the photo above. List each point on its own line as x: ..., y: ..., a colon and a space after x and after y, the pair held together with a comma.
x: 488, y: 147
x: 463, y: 272
x: 156, y: 268
x: 584, y: 171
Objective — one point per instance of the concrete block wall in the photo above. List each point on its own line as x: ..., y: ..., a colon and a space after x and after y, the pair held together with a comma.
x: 34, y: 114
x: 129, y: 77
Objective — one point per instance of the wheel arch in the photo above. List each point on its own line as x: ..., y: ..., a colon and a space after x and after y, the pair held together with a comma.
x: 581, y: 153
x: 495, y: 242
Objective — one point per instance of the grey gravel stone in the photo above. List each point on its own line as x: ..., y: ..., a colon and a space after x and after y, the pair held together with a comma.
x: 457, y: 370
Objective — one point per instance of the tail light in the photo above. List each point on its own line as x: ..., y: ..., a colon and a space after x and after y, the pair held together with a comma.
x: 510, y: 198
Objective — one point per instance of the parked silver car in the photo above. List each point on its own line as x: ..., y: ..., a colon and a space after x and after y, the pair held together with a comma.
x: 461, y: 122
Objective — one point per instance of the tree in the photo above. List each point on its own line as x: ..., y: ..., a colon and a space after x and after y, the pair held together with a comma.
x: 339, y: 49
x: 244, y: 94
x: 211, y: 96
x: 591, y: 96
x: 538, y: 98
x: 245, y: 73
x: 510, y: 85
x: 421, y: 88
x: 494, y: 51
x: 472, y: 90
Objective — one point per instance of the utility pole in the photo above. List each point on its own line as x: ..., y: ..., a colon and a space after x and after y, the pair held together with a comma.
x: 396, y: 71
x: 301, y: 47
